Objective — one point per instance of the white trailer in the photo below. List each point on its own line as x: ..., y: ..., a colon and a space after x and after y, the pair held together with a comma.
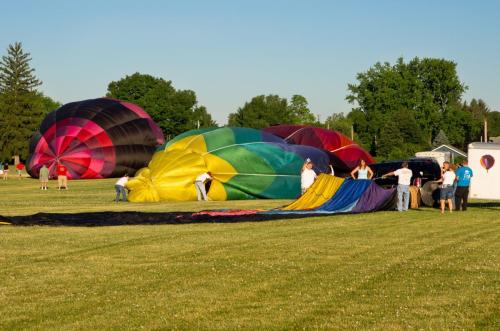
x: 440, y: 157
x: 484, y: 160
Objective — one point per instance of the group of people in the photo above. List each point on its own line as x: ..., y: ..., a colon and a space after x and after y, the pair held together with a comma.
x: 454, y: 184
x: 62, y: 177
x: 4, y: 170
x: 308, y: 175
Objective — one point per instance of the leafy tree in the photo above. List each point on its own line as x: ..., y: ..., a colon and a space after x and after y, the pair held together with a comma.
x: 299, y: 111
x: 425, y: 92
x: 202, y: 119
x: 48, y: 103
x: 339, y: 122
x: 401, y: 141
x: 494, y: 124
x: 261, y: 112
x: 473, y: 115
x: 22, y: 107
x: 175, y: 111
x: 441, y: 139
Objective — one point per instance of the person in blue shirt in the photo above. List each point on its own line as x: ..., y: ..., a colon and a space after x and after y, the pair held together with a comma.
x: 464, y: 175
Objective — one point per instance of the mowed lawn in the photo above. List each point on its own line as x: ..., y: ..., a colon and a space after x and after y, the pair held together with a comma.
x: 384, y: 271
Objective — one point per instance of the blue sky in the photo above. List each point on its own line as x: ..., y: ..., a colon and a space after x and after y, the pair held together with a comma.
x: 230, y: 51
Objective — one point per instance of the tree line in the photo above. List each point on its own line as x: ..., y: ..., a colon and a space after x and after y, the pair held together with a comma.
x: 398, y: 109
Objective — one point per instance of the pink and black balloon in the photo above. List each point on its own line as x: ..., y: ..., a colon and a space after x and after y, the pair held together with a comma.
x: 95, y: 138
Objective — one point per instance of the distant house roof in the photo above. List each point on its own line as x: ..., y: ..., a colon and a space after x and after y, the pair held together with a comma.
x: 450, y: 149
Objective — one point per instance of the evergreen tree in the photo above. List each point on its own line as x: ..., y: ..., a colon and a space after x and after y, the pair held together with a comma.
x: 440, y: 139
x: 21, y: 107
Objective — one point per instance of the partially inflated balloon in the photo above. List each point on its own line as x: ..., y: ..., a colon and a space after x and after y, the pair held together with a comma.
x: 487, y: 161
x: 245, y: 164
x: 344, y: 152
x: 95, y: 138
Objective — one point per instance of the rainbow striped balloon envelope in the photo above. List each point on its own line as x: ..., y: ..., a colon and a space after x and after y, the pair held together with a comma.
x: 245, y: 164
x: 95, y: 138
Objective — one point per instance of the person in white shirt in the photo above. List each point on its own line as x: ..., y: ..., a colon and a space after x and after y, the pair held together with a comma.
x: 120, y: 188
x: 199, y: 184
x: 447, y: 179
x: 307, y: 176
x: 404, y: 179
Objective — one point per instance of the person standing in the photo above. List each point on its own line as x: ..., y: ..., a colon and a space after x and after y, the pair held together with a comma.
x: 447, y: 179
x: 404, y: 179
x: 199, y: 184
x: 6, y: 171
x: 363, y: 171
x: 19, y: 170
x: 120, y: 188
x: 464, y: 175
x: 44, y: 177
x: 307, y: 176
x: 62, y: 176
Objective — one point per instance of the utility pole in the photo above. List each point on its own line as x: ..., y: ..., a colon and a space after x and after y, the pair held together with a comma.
x: 485, y: 129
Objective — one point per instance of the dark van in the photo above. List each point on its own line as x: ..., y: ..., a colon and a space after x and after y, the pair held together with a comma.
x: 427, y: 169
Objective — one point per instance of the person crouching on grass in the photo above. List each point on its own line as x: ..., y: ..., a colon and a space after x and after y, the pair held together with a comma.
x: 199, y: 184
x: 307, y: 176
x: 447, y: 180
x: 120, y: 188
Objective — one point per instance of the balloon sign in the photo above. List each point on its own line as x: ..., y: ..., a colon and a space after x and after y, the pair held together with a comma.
x: 487, y: 161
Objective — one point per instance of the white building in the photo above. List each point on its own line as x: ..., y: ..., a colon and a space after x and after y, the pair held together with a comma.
x: 484, y: 160
x: 454, y: 152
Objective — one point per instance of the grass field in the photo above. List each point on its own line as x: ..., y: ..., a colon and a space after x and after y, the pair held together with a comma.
x: 383, y: 271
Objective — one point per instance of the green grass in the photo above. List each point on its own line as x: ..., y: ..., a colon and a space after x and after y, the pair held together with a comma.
x: 383, y: 271
x: 24, y: 197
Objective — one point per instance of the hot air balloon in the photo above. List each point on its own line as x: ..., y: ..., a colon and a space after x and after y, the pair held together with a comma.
x: 344, y: 152
x: 245, y: 164
x: 487, y: 161
x: 95, y: 138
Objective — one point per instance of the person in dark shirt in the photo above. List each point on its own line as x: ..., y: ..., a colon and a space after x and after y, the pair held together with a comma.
x: 464, y: 175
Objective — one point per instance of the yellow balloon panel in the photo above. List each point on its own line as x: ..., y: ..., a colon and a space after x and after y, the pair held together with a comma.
x: 168, y: 178
x: 195, y: 143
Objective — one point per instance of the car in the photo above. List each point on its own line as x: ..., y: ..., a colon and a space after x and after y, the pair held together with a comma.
x: 427, y: 169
